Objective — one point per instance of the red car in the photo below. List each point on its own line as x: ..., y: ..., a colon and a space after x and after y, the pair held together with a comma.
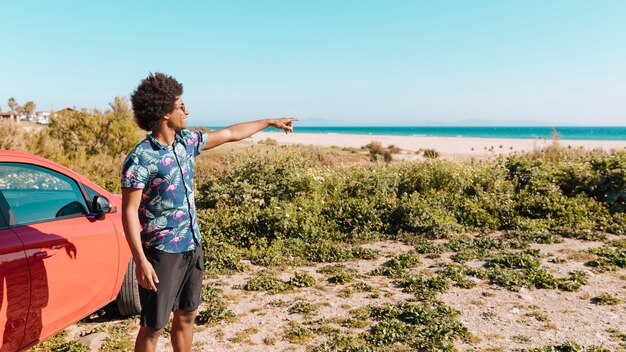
x: 63, y: 254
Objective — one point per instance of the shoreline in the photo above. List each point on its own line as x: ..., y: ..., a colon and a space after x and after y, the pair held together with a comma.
x: 447, y: 146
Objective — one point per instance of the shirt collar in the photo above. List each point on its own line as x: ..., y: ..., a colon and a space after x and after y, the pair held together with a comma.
x: 158, y: 145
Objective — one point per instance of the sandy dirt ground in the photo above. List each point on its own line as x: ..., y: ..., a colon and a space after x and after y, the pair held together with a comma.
x: 498, y: 319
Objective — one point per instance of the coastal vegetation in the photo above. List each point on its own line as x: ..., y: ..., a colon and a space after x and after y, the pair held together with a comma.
x: 267, y: 209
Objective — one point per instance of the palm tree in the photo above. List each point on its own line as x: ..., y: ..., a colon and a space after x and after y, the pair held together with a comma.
x: 29, y: 109
x: 13, y: 106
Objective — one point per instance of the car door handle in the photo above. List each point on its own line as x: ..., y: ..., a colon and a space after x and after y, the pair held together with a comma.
x: 45, y: 254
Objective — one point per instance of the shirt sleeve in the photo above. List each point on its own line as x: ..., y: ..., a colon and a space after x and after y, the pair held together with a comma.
x: 201, y: 138
x: 134, y: 174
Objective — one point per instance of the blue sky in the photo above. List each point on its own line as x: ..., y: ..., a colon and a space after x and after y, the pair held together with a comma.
x: 328, y: 62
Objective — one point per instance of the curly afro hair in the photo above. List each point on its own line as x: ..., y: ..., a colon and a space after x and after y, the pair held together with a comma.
x: 154, y: 98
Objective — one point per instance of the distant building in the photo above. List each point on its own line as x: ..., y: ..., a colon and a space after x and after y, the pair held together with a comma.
x: 43, y: 117
x: 7, y: 115
x: 65, y: 110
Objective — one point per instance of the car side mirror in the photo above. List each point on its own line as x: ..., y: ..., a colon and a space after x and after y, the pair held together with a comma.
x: 101, y: 206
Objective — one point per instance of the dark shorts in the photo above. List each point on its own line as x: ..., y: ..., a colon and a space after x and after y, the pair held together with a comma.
x: 179, y: 288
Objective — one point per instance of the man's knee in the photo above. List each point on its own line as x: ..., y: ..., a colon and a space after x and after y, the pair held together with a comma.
x: 184, y: 317
x: 149, y: 333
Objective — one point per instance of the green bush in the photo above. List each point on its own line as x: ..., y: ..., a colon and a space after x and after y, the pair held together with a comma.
x: 567, y: 347
x: 608, y: 258
x: 422, y: 327
x: 435, y: 175
x: 342, y: 278
x: 424, y: 288
x: 57, y: 343
x: 430, y: 153
x: 221, y: 258
x: 302, y: 280
x: 606, y: 300
x: 214, y: 312
x: 249, y: 205
x: 265, y: 282
x: 302, y: 307
x: 428, y: 214
x: 259, y: 179
x: 211, y: 294
x: 397, y: 266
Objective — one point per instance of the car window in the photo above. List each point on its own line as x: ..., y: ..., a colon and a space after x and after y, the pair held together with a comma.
x: 35, y: 193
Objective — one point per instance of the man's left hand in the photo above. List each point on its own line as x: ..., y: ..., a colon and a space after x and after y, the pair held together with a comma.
x: 283, y: 123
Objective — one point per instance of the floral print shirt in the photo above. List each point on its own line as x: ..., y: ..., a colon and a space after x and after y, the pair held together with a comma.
x: 167, y: 211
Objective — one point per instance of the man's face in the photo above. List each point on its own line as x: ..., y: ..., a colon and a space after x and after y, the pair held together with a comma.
x: 178, y: 117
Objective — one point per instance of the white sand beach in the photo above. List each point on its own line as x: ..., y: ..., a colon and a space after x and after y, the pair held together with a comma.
x: 447, y: 146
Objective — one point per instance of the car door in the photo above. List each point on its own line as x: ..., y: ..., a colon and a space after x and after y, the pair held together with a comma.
x: 14, y: 285
x: 72, y: 256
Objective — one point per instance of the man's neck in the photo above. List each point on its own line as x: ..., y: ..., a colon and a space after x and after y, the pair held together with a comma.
x: 164, y: 135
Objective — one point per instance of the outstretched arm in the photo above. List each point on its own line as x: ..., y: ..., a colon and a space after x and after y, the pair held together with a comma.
x: 246, y: 129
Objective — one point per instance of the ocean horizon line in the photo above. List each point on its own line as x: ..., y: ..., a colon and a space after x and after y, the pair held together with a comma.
x: 507, y: 132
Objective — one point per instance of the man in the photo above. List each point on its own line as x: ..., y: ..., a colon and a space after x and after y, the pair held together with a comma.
x: 158, y: 208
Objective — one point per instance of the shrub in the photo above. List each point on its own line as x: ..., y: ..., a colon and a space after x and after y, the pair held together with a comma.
x: 521, y: 260
x: 354, y: 218
x: 330, y: 206
x: 425, y: 326
x: 397, y: 265
x: 609, y: 181
x: 214, y: 312
x: 427, y: 214
x: 267, y: 255
x: 435, y: 175
x: 90, y: 133
x: 605, y: 299
x: 302, y: 280
x: 296, y: 333
x: 345, y: 344
x: 268, y: 141
x: 480, y: 247
x: 425, y: 288
x: 301, y: 307
x: 608, y: 258
x: 430, y: 153
x: 211, y: 294
x: 259, y: 179
x: 341, y: 278
x: 13, y: 137
x: 461, y: 275
x: 221, y: 258
x: 58, y: 343
x: 377, y: 151
x: 265, y: 282
x: 393, y: 149
x: 567, y: 347
x: 389, y: 332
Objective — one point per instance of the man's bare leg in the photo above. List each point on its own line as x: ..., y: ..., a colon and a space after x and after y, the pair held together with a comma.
x: 182, y: 330
x: 147, y: 339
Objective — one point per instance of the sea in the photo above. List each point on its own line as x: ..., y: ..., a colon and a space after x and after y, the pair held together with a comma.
x: 563, y: 132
